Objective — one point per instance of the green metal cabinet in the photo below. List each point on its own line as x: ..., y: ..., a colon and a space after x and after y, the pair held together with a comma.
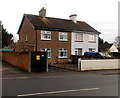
x: 38, y: 62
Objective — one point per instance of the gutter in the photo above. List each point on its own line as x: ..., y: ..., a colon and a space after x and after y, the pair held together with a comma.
x: 52, y: 29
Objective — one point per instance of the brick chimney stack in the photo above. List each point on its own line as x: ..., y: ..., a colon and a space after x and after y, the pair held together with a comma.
x: 42, y: 13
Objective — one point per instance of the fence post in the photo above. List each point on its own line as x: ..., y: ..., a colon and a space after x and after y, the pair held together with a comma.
x: 79, y: 64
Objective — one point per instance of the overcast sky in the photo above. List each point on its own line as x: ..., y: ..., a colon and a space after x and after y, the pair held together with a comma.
x: 100, y: 14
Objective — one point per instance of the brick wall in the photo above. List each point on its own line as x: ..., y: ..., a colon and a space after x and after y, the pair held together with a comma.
x: 20, y: 60
x: 55, y: 45
x: 28, y: 45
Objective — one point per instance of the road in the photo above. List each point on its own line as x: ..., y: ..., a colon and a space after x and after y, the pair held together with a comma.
x: 68, y: 85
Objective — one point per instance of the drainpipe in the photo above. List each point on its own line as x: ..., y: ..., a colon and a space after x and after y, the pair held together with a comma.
x: 36, y: 41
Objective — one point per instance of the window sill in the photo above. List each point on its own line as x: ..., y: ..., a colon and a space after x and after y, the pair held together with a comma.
x: 46, y: 39
x: 92, y: 41
x: 63, y: 40
x: 78, y: 41
x: 62, y: 57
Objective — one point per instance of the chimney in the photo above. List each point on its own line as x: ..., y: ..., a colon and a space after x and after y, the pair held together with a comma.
x: 73, y: 18
x: 42, y: 13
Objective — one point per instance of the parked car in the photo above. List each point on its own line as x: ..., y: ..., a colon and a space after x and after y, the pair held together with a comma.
x: 92, y: 54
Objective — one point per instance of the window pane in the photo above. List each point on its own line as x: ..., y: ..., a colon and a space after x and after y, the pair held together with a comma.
x: 91, y: 37
x: 75, y: 52
x: 45, y: 35
x: 79, y: 37
x: 78, y: 51
x: 63, y: 52
x: 62, y: 36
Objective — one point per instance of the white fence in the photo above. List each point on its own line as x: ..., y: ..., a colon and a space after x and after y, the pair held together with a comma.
x: 98, y: 64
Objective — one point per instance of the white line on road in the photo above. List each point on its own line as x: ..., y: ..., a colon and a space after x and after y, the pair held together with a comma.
x: 40, y: 77
x: 55, y: 92
x: 15, y: 78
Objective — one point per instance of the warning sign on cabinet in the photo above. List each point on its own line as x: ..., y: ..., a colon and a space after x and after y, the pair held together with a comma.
x: 37, y: 57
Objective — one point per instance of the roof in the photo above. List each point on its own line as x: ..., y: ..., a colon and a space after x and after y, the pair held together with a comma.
x: 58, y: 24
x: 113, y: 48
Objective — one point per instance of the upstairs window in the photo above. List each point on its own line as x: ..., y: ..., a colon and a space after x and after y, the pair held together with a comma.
x: 92, y: 38
x: 48, y: 50
x: 45, y: 35
x: 62, y: 53
x: 63, y: 36
x: 78, y: 37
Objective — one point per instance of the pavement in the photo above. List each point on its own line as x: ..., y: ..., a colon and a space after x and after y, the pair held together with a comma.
x: 9, y: 71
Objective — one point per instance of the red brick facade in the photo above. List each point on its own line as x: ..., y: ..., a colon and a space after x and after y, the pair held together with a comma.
x: 54, y: 44
x: 24, y: 45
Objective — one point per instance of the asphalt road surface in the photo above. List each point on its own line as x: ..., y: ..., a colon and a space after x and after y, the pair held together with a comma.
x: 70, y: 85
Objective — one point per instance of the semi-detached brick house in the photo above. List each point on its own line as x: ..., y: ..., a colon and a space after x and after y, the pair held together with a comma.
x: 59, y: 37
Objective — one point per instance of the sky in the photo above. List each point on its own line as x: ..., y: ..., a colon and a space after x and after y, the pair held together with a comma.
x: 100, y: 14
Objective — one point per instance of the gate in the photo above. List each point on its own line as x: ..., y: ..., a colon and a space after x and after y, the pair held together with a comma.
x: 38, y: 62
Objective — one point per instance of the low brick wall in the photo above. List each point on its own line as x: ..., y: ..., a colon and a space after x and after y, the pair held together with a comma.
x: 20, y: 60
x: 99, y: 64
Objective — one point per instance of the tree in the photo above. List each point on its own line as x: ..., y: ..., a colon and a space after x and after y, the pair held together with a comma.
x: 6, y: 38
x: 101, y: 41
x: 103, y: 45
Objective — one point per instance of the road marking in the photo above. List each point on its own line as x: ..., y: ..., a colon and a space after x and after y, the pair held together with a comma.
x: 16, y: 78
x: 55, y: 92
x: 40, y: 77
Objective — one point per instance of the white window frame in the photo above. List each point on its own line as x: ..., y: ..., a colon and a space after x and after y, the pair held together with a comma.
x: 92, y: 38
x: 47, y: 50
x: 45, y: 34
x: 78, y: 37
x: 64, y: 50
x: 64, y: 35
x: 76, y: 51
